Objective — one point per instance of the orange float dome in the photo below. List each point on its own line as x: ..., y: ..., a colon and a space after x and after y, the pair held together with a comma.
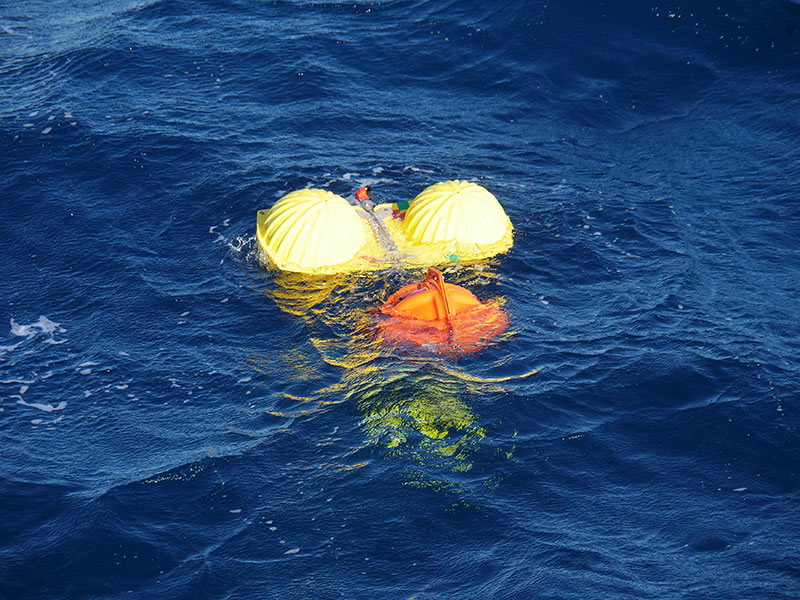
x: 440, y: 316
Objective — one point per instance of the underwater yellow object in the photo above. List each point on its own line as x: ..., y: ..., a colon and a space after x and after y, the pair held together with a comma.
x: 316, y: 231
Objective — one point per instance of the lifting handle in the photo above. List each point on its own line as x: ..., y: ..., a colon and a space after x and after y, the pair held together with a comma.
x: 435, y: 279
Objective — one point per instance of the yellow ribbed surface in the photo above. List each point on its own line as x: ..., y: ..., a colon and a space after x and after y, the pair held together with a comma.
x: 311, y: 229
x: 458, y: 211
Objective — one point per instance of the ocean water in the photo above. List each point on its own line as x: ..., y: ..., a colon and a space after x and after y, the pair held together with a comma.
x: 178, y: 420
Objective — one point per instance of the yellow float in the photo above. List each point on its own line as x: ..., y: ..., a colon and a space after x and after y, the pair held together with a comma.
x: 457, y: 211
x: 317, y: 232
x: 311, y: 230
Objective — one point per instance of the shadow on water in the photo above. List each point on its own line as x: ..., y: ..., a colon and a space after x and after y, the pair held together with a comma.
x: 414, y: 405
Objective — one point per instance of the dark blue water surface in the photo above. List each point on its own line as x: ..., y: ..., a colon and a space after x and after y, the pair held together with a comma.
x: 180, y: 421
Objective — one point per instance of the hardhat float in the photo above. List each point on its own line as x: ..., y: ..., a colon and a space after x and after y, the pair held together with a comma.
x: 310, y: 229
x: 458, y: 211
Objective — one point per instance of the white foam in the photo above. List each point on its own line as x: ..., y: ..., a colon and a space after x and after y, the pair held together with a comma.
x: 292, y: 551
x: 22, y: 330
x: 48, y: 326
x: 45, y: 407
x: 375, y: 181
x: 7, y: 349
x: 43, y: 422
x: 416, y: 169
x: 46, y: 130
x: 31, y: 330
x: 238, y: 243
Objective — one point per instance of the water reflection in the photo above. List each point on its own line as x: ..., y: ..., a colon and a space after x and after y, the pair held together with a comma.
x: 418, y: 406
x: 413, y: 408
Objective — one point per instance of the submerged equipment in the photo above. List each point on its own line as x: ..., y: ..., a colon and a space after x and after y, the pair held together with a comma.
x: 317, y: 232
x: 439, y: 316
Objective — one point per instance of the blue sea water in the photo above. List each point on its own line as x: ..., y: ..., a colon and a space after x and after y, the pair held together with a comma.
x: 180, y: 421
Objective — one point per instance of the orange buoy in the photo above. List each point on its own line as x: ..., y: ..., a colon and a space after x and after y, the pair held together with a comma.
x: 440, y: 316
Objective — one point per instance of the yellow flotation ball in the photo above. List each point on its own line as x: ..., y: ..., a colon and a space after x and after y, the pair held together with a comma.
x: 310, y: 229
x: 458, y: 211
